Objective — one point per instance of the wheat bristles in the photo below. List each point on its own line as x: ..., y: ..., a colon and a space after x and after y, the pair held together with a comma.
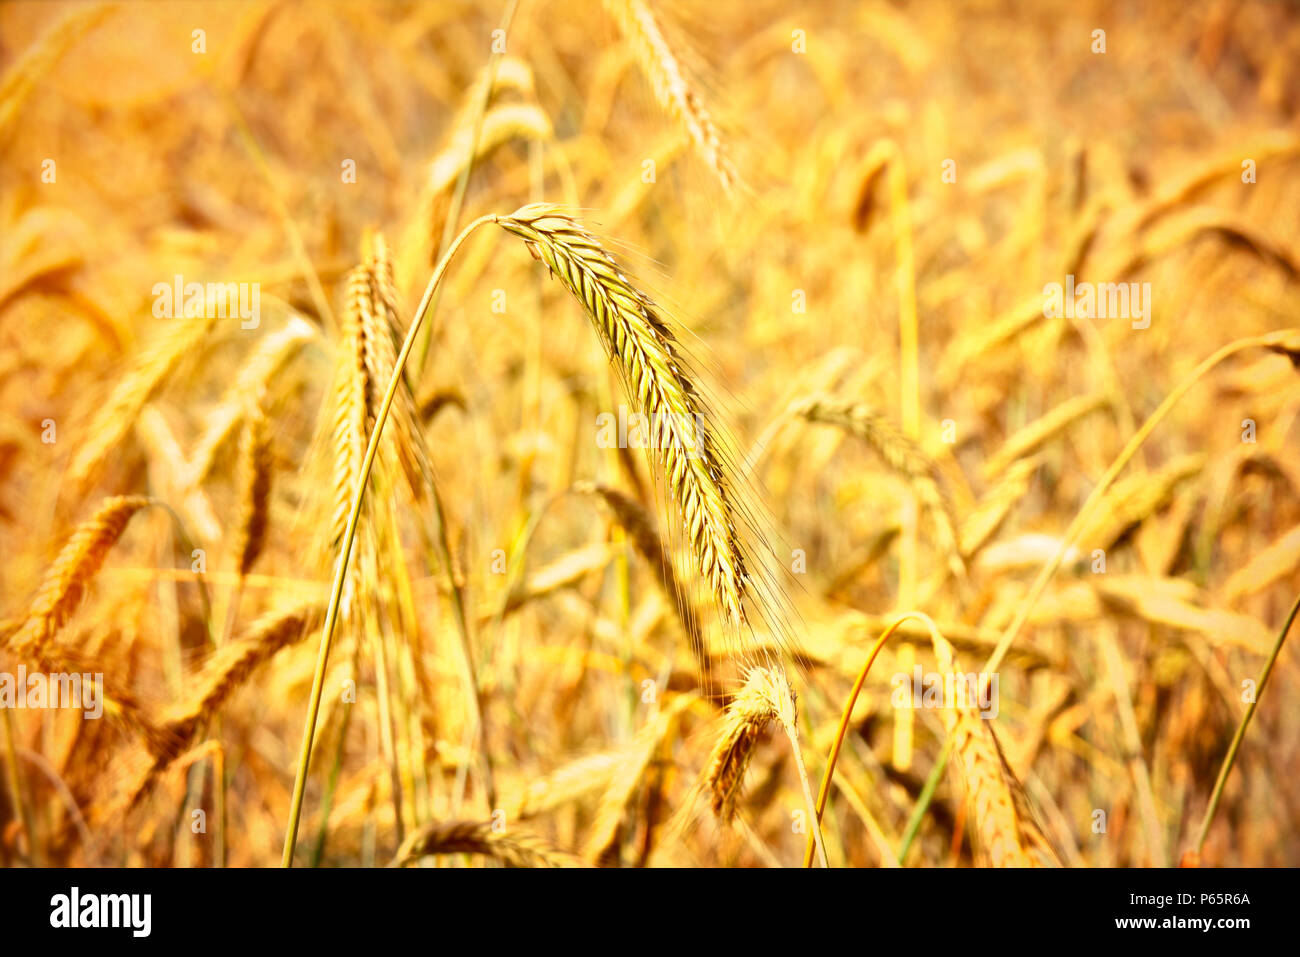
x: 640, y: 343
x: 637, y: 522
x: 77, y: 564
x: 512, y: 846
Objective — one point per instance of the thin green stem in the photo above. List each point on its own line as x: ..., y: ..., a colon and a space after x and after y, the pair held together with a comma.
x: 349, y: 536
x: 1242, y: 725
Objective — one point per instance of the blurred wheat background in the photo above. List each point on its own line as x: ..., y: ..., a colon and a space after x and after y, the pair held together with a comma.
x: 848, y: 213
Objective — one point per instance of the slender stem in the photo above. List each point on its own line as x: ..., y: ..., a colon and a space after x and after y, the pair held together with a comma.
x: 923, y: 801
x: 1241, y: 727
x: 349, y: 535
x: 834, y: 756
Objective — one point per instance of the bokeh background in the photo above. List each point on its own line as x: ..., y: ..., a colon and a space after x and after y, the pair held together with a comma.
x: 231, y: 165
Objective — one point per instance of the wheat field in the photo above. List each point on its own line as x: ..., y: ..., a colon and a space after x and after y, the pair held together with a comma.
x: 649, y: 433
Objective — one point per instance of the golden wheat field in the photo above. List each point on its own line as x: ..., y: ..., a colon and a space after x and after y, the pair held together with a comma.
x: 649, y: 433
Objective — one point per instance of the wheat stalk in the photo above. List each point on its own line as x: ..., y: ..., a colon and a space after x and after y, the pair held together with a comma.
x: 643, y: 348
x: 672, y: 86
x: 513, y: 846
x: 77, y: 564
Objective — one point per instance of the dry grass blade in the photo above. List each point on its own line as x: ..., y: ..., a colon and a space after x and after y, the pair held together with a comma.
x: 644, y: 350
x: 77, y: 564
x: 512, y: 846
x: 601, y: 846
x: 672, y: 87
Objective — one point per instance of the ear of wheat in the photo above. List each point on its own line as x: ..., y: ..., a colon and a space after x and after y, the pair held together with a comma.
x: 901, y: 454
x: 1008, y: 832
x: 746, y: 719
x: 512, y: 845
x: 254, y: 473
x: 672, y: 86
x: 116, y: 416
x: 77, y: 564
x: 641, y: 345
x: 232, y: 665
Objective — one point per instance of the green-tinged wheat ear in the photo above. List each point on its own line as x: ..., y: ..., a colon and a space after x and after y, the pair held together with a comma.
x: 643, y: 348
x: 77, y: 564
